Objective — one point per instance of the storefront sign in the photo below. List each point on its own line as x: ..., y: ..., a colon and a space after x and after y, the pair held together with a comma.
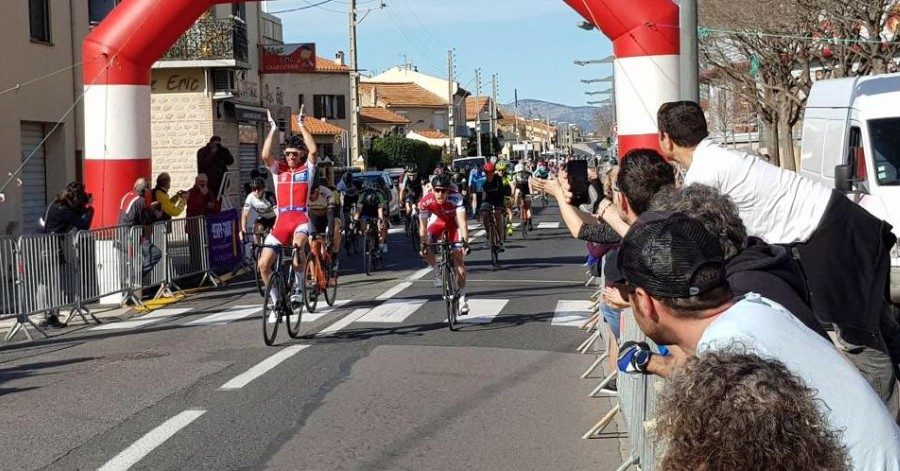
x: 222, y: 234
x: 177, y: 81
x: 287, y: 58
x: 250, y: 114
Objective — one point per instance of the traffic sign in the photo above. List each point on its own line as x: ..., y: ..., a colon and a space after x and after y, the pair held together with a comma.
x: 614, y: 129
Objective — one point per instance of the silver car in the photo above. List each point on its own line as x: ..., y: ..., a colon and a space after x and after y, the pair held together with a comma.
x: 367, y: 179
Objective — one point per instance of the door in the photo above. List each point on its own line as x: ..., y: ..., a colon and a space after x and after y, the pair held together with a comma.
x: 249, y: 160
x: 34, y: 177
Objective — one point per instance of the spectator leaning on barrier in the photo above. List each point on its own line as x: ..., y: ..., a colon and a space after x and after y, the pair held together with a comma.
x: 730, y: 410
x: 134, y: 212
x: 843, y: 249
x: 170, y: 207
x: 675, y: 270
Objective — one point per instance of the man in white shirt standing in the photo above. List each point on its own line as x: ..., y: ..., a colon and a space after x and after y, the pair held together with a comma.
x: 844, y: 250
x: 675, y: 273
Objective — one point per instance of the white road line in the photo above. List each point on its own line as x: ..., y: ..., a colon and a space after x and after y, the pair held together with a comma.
x: 262, y: 367
x: 393, y: 311
x: 344, y: 322
x: 394, y: 291
x: 482, y: 311
x: 478, y: 234
x: 475, y: 226
x: 230, y: 315
x: 150, y: 318
x: 571, y: 313
x: 396, y: 230
x: 154, y: 438
x: 323, y: 310
x: 548, y: 225
x: 419, y: 274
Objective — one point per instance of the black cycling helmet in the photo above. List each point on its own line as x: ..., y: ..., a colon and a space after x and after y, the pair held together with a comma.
x: 441, y: 181
x: 412, y: 168
x: 257, y: 184
x: 347, y: 178
x: 295, y: 141
x: 370, y: 199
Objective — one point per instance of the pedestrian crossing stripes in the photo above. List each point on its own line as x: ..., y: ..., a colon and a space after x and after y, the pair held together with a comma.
x: 570, y: 313
x: 396, y: 230
x: 393, y: 311
x: 482, y: 311
x: 323, y: 311
x: 150, y: 318
x: 548, y: 225
x: 230, y: 315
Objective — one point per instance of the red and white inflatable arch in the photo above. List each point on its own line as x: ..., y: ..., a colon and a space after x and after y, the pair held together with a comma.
x: 645, y: 39
x: 117, y: 56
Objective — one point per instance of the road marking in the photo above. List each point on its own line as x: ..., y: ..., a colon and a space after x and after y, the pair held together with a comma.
x: 548, y: 225
x: 419, y: 274
x: 151, y: 441
x: 478, y: 234
x: 323, y: 311
x: 151, y: 318
x: 393, y: 311
x: 344, y: 322
x: 549, y: 282
x: 482, y: 311
x: 230, y: 315
x: 396, y: 230
x: 571, y: 313
x: 262, y: 367
x: 394, y: 291
x: 475, y: 226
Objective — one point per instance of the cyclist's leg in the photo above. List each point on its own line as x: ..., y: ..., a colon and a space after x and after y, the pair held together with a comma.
x: 454, y: 236
x: 300, y: 239
x: 382, y: 226
x: 336, y: 238
x: 498, y: 218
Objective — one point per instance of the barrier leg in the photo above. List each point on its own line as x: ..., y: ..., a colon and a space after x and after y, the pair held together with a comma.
x: 215, y: 280
x: 586, y: 345
x: 602, y: 424
x: 603, y: 384
x: 628, y: 462
x: 594, y: 365
x: 22, y: 324
x: 80, y: 311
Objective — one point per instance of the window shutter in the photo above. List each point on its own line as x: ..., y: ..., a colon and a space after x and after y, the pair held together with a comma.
x: 300, y: 101
x: 319, y: 106
x: 341, y: 107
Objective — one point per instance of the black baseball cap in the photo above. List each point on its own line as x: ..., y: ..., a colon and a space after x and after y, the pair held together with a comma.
x: 671, y: 255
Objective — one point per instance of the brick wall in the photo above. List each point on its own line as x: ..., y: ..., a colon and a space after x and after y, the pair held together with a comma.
x: 181, y: 123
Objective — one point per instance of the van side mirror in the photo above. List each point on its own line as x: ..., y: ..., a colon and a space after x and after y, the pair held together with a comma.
x: 843, y: 174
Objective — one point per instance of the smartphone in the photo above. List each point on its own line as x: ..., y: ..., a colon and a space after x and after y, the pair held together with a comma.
x: 578, y: 181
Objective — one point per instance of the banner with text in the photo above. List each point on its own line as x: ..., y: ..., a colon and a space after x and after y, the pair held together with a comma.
x: 287, y: 58
x: 222, y: 234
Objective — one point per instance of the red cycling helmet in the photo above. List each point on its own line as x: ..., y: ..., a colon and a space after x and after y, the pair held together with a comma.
x: 489, y: 167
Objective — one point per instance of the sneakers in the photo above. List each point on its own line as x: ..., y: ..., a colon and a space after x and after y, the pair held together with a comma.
x: 530, y: 226
x: 463, y: 304
x: 437, y: 283
x: 297, y: 295
x: 501, y: 247
x: 509, y: 229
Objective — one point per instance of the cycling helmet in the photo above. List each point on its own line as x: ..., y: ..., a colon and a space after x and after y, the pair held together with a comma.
x: 257, y: 184
x: 489, y: 167
x: 439, y: 170
x: 347, y: 178
x: 412, y: 168
x: 295, y: 141
x: 370, y: 199
x: 501, y: 166
x: 519, y: 168
x: 441, y: 181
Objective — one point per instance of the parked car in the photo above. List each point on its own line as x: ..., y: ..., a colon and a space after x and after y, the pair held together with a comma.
x: 470, y: 162
x: 368, y: 178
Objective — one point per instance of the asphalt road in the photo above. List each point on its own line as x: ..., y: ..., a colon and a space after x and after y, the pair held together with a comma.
x: 378, y: 383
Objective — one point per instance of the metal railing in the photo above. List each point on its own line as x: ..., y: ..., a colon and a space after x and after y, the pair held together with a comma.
x: 51, y: 273
x: 212, y: 39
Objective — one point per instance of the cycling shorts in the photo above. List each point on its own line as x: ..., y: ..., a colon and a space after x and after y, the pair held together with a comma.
x: 288, y: 224
x: 438, y: 227
x: 488, y: 206
x: 266, y: 223
x: 318, y: 224
x: 369, y: 212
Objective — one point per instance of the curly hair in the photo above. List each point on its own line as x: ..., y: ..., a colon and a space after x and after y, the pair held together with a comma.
x: 731, y: 410
x: 706, y: 204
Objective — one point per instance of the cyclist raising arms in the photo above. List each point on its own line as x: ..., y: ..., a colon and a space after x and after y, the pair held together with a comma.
x: 293, y: 178
x: 442, y: 212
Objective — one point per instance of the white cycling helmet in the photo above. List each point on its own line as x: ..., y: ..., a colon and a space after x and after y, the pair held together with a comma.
x: 519, y: 168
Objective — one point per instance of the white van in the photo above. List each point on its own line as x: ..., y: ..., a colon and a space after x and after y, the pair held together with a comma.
x: 851, y: 142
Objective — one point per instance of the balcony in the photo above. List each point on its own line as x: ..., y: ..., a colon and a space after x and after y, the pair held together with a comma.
x: 213, y: 42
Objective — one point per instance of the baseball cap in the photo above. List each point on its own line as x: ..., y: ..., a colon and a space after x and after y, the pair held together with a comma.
x: 671, y: 255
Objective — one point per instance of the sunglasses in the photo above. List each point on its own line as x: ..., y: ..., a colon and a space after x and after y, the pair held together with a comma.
x: 295, y: 153
x: 440, y: 190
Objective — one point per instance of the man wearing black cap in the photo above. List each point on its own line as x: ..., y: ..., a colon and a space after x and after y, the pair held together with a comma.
x: 675, y: 270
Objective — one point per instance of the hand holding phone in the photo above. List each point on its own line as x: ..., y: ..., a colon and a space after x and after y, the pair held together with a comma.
x: 577, y: 179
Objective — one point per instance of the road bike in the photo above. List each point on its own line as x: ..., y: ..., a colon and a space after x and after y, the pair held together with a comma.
x: 282, y: 279
x: 350, y: 235
x: 319, y: 274
x: 412, y: 227
x: 523, y: 213
x: 252, y: 251
x: 493, y: 237
x: 446, y: 268
x: 371, y: 249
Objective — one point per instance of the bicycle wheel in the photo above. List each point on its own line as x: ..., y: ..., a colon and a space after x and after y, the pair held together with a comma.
x: 293, y: 312
x: 414, y: 234
x: 367, y: 254
x: 331, y: 290
x: 271, y: 315
x: 310, y: 284
x: 495, y: 250
x: 523, y: 221
x: 449, y: 282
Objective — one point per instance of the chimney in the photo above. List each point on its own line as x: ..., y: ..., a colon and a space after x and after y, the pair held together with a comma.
x: 374, y: 96
x: 339, y: 58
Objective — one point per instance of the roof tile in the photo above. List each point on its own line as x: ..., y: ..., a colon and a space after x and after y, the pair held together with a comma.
x: 374, y: 115
x: 316, y: 127
x: 402, y: 95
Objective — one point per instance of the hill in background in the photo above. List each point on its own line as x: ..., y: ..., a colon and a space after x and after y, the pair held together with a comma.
x: 583, y: 116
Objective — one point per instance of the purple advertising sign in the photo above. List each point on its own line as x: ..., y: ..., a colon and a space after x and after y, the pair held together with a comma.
x: 222, y: 235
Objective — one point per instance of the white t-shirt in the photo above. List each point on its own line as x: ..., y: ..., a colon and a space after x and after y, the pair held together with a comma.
x: 763, y: 327
x: 258, y: 208
x: 776, y: 205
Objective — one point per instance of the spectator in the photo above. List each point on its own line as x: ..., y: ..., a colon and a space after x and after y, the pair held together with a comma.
x: 213, y: 160
x: 134, y: 212
x: 71, y: 210
x: 200, y: 199
x: 675, y: 269
x: 843, y: 249
x: 730, y: 410
x: 170, y: 207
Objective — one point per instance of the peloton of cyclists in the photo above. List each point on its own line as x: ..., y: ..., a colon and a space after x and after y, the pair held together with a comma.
x: 442, y: 212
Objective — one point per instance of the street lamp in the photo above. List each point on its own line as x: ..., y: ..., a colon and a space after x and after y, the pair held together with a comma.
x: 584, y: 25
x: 604, y: 79
x: 601, y: 102
x: 605, y: 60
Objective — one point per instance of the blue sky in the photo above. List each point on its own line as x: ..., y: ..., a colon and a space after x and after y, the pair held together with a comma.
x: 530, y: 44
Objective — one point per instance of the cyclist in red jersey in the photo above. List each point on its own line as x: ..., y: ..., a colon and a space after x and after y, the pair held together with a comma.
x: 293, y: 179
x: 442, y: 211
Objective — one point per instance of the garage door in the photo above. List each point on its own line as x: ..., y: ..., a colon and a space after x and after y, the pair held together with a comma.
x: 34, y: 177
x: 249, y: 161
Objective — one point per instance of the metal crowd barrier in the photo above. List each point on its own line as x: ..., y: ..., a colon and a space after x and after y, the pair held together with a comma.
x: 113, y: 265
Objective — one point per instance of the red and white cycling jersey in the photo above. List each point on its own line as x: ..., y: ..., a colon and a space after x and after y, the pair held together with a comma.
x: 442, y: 216
x: 292, y: 186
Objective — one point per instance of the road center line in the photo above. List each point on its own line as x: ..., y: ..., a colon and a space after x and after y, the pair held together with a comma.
x: 154, y: 438
x: 262, y: 367
x: 344, y: 322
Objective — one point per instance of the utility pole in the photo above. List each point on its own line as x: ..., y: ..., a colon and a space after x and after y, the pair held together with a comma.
x: 687, y: 23
x: 478, y: 109
x: 354, y: 155
x: 451, y: 131
x: 493, y: 111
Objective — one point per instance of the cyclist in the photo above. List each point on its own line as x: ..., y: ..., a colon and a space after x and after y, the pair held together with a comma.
x: 502, y: 169
x: 476, y: 181
x: 492, y: 195
x: 372, y: 202
x: 522, y: 183
x: 442, y: 212
x: 258, y: 215
x: 322, y: 217
x: 541, y: 171
x: 411, y: 189
x: 292, y: 181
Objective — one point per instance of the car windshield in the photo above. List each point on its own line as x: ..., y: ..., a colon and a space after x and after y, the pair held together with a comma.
x: 885, y: 137
x: 473, y: 162
x: 367, y: 180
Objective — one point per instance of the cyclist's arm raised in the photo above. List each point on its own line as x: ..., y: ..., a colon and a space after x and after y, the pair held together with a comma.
x: 269, y: 143
x: 308, y: 139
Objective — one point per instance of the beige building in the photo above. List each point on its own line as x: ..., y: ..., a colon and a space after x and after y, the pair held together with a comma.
x: 39, y: 83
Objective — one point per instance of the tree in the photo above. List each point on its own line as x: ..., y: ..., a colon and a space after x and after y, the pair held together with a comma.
x: 472, y: 144
x: 604, y: 120
x: 394, y: 151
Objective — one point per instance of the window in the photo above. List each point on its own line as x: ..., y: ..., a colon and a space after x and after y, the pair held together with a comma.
x: 326, y: 149
x: 99, y: 9
x: 329, y: 106
x: 39, y: 20
x: 223, y: 81
x: 239, y: 10
x: 884, y: 136
x: 300, y: 101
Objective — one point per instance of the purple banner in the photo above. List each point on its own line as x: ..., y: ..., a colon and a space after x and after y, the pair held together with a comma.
x: 222, y: 234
